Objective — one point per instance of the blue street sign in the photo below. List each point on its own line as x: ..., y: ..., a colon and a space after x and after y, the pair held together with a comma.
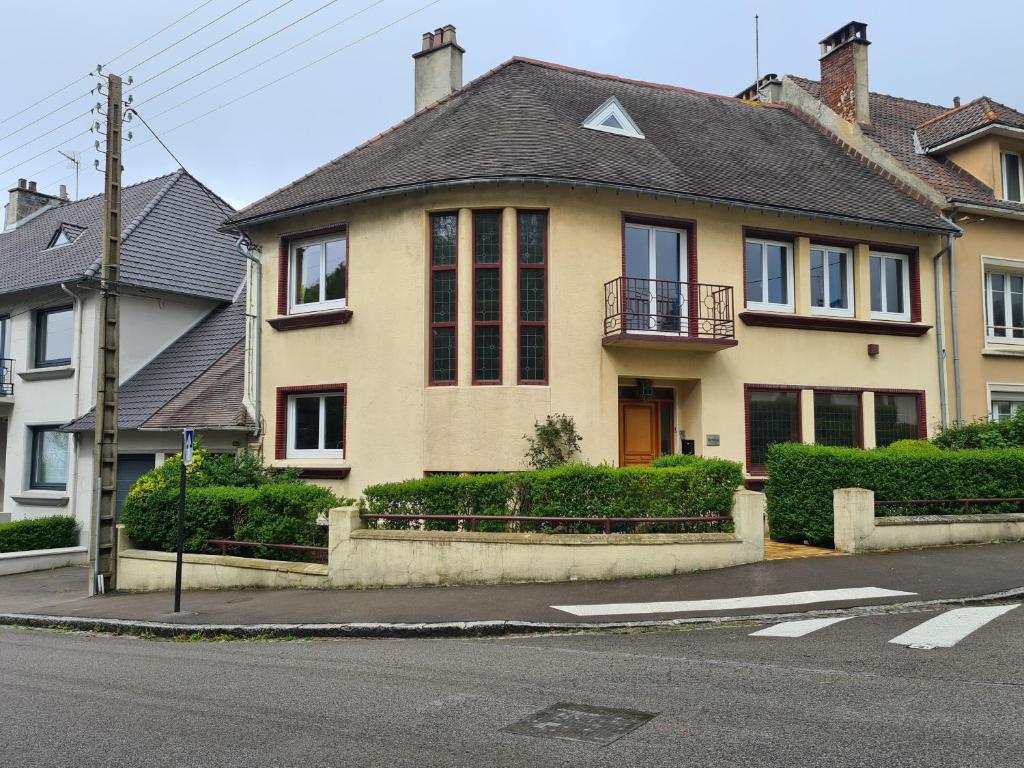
x: 189, y: 440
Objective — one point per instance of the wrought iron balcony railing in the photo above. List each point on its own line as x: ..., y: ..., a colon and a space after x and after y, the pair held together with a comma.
x: 636, y: 306
x: 6, y: 377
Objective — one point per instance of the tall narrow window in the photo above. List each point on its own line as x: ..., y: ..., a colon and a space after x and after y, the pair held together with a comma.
x: 1013, y: 177
x: 890, y: 286
x: 897, y: 417
x: 1004, y: 306
x: 837, y: 419
x: 773, y: 416
x: 487, y: 297
x: 532, y: 247
x: 318, y: 274
x: 831, y: 281
x: 769, y: 273
x: 444, y: 298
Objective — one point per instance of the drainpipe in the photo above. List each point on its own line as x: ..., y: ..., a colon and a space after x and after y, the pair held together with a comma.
x: 940, y: 351
x: 77, y: 357
x: 243, y: 248
x: 953, y: 326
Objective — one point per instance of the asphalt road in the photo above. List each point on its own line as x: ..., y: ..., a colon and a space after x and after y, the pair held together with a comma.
x: 841, y: 696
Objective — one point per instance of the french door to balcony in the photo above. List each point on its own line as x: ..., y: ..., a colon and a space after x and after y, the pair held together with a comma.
x: 655, y: 294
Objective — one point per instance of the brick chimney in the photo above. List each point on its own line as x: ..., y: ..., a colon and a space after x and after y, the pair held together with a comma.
x: 25, y: 200
x: 438, y: 66
x: 844, y: 72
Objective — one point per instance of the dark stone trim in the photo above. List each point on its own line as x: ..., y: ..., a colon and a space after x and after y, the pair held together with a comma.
x: 838, y: 324
x: 677, y: 340
x: 310, y: 320
x: 324, y: 473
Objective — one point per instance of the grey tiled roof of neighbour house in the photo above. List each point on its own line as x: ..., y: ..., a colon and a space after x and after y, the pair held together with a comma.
x: 195, y: 382
x: 171, y: 242
x: 894, y: 122
x: 522, y: 121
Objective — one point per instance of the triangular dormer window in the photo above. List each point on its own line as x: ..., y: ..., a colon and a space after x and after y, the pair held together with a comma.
x: 61, y: 237
x: 611, y: 117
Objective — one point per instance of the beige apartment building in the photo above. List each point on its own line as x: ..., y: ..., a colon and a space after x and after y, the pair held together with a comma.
x: 678, y: 271
x: 968, y: 160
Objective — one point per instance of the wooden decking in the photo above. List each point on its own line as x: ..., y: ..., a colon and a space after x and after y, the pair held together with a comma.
x: 777, y: 550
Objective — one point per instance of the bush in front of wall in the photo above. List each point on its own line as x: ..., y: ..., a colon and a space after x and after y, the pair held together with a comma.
x: 983, y: 433
x: 554, y: 442
x: 285, y: 513
x: 675, y: 460
x: 151, y: 519
x: 54, y: 532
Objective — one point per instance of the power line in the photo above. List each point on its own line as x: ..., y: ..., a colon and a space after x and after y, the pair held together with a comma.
x: 41, y: 135
x: 85, y: 77
x: 44, y: 152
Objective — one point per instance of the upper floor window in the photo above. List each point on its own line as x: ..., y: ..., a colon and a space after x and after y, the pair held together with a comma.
x: 1004, y: 306
x: 769, y: 275
x: 316, y: 425
x: 655, y: 278
x: 831, y: 281
x: 444, y: 298
x: 890, y: 286
x: 54, y: 334
x: 318, y: 269
x: 49, y: 470
x: 1013, y: 177
x: 532, y: 254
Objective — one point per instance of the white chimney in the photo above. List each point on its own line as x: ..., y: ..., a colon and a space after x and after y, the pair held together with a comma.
x: 438, y: 66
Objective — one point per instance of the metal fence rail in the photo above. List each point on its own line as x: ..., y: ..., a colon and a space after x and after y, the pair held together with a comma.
x: 605, y: 523
x: 319, y: 553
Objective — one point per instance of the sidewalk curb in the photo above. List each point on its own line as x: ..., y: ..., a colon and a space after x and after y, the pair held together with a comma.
x: 487, y: 628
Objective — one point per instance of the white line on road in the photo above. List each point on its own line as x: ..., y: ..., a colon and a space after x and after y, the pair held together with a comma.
x: 732, y: 603
x: 948, y: 629
x: 798, y: 628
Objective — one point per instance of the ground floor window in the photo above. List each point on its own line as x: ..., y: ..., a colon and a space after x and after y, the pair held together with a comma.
x: 837, y: 419
x: 1003, y: 405
x: 311, y: 422
x: 773, y: 416
x: 49, y: 459
x: 897, y: 417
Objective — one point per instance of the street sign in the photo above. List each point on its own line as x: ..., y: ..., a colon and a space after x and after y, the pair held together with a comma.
x: 186, y: 452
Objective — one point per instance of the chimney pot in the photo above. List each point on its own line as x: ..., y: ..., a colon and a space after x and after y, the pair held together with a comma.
x: 22, y: 184
x: 31, y: 186
x: 63, y: 191
x: 25, y: 199
x: 438, y: 66
x: 844, y: 72
x: 956, y: 102
x: 428, y: 41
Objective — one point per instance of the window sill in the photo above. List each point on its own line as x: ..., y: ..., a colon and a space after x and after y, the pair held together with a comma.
x: 323, y: 473
x: 42, y: 499
x: 43, y: 374
x: 838, y: 324
x: 310, y: 320
x: 1001, y: 351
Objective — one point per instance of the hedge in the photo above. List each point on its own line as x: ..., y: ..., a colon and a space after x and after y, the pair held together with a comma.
x: 801, y: 479
x: 983, y: 433
x: 702, y: 487
x: 39, y: 533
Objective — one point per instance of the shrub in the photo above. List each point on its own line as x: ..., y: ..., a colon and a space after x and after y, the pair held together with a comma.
x: 983, y: 433
x: 703, y: 487
x: 911, y: 446
x: 555, y: 442
x: 285, y: 513
x: 801, y: 479
x: 211, y: 512
x: 39, y: 533
x: 675, y: 460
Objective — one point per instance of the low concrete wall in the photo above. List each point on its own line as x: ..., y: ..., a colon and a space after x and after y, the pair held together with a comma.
x: 858, y: 530
x: 42, y: 559
x: 141, y: 570
x: 367, y: 557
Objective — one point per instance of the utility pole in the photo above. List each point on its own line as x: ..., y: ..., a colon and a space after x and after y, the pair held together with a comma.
x: 103, y: 555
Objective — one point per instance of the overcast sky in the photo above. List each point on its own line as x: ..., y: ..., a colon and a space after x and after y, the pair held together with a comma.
x: 930, y: 51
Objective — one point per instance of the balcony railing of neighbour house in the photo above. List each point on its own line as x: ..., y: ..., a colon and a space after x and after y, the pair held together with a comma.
x: 642, y: 310
x: 6, y: 377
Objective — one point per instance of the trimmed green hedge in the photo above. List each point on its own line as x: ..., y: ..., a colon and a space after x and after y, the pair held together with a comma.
x: 801, y: 479
x: 983, y: 433
x: 702, y: 487
x: 39, y: 533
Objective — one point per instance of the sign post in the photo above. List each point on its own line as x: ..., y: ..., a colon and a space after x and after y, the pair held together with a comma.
x: 188, y: 437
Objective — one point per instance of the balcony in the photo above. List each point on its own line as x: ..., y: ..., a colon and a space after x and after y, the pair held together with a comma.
x: 641, y: 312
x: 6, y: 377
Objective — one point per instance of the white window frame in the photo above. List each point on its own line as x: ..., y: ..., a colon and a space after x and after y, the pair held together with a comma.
x: 1020, y: 174
x: 768, y: 306
x: 613, y: 107
x: 991, y: 337
x: 652, y: 262
x: 323, y: 305
x: 291, y: 451
x: 885, y: 314
x: 846, y: 311
x: 1012, y: 392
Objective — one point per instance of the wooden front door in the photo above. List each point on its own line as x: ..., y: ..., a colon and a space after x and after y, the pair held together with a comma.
x: 638, y: 433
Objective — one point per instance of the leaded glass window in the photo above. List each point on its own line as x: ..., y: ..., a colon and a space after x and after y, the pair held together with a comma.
x: 532, y: 310
x: 487, y: 297
x: 774, y: 417
x: 444, y: 299
x: 837, y: 419
x: 896, y: 418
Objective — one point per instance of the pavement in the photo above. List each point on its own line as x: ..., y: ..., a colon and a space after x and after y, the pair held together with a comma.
x: 768, y: 588
x: 719, y: 695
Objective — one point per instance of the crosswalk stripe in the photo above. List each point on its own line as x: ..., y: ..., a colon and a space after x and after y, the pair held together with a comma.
x: 798, y: 628
x: 733, y: 603
x: 948, y: 629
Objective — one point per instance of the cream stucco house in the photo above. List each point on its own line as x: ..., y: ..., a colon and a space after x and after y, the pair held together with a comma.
x: 678, y: 271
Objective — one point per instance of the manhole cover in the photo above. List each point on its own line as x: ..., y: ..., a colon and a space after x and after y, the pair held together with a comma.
x: 580, y: 722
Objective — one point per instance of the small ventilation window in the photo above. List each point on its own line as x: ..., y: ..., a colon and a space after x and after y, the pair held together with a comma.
x: 611, y: 117
x: 61, y: 237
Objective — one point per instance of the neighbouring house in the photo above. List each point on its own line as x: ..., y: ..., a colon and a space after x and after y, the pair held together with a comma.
x: 967, y: 159
x: 678, y: 271
x: 183, y: 328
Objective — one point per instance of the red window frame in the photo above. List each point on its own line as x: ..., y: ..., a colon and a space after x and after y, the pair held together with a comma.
x: 454, y: 322
x: 284, y: 261
x: 281, y: 414
x: 759, y: 470
x: 496, y: 267
x: 520, y: 323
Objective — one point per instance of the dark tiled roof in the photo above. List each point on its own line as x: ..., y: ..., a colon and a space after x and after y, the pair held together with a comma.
x: 523, y: 121
x: 212, y: 401
x: 894, y: 121
x: 962, y: 120
x: 170, y: 242
x: 170, y: 376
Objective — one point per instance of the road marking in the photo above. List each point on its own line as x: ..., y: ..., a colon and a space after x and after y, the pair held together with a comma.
x: 733, y: 603
x: 949, y: 628
x: 798, y: 628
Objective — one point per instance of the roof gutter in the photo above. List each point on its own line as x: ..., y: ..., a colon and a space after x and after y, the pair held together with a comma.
x: 255, y: 268
x: 556, y: 181
x: 953, y: 325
